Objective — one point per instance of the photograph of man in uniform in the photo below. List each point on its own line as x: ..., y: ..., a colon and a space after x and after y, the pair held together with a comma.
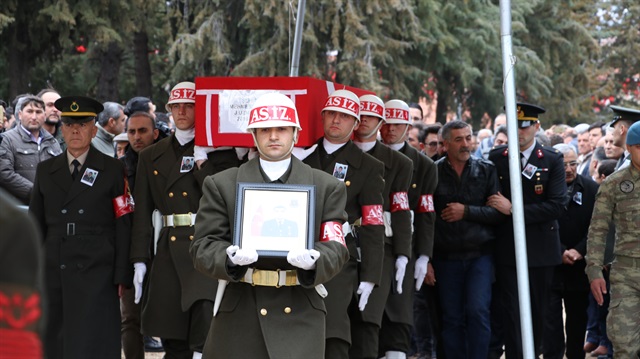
x: 279, y: 225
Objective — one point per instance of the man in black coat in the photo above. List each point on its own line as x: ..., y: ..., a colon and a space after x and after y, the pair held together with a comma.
x: 570, y: 281
x: 544, y: 194
x: 81, y: 203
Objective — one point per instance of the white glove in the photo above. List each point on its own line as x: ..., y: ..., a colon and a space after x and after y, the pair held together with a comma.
x: 401, y: 267
x: 303, y: 258
x: 364, y: 290
x: 139, y: 270
x: 201, y: 152
x: 241, y: 257
x: 421, y: 270
x: 301, y: 153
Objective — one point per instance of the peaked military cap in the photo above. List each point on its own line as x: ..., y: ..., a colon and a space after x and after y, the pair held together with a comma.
x: 78, y: 109
x: 528, y: 114
x: 624, y: 113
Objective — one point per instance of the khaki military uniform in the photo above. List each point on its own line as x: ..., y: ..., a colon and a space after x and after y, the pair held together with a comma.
x: 265, y: 321
x: 172, y: 285
x: 365, y: 185
x: 397, y: 179
x: 618, y: 202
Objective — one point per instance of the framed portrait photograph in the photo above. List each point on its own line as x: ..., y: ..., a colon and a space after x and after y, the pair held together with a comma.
x: 274, y: 218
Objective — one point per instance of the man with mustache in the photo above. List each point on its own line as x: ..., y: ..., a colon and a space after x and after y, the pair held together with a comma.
x: 464, y: 237
x: 52, y: 115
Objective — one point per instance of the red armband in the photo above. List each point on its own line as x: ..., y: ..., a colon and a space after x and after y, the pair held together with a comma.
x: 123, y: 204
x: 332, y: 231
x: 372, y: 215
x: 399, y: 202
x: 426, y: 204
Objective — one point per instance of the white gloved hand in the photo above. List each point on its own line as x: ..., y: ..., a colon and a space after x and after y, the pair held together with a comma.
x: 241, y: 257
x: 364, y: 289
x: 139, y: 270
x: 302, y: 153
x: 303, y: 258
x: 421, y: 270
x: 201, y: 152
x: 401, y: 267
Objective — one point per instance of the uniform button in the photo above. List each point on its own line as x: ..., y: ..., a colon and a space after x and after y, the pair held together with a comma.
x: 63, y: 266
x: 347, y: 183
x: 414, y: 185
x: 190, y: 238
x: 81, y: 211
x: 170, y: 194
x: 173, y: 238
x: 184, y: 194
x: 287, y: 310
x: 155, y: 172
x: 263, y: 311
x: 64, y: 211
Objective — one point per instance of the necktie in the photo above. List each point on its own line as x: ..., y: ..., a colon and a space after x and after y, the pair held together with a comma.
x: 76, y: 166
x: 523, y: 161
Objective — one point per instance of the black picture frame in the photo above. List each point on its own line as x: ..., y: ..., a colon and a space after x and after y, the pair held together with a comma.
x: 274, y: 218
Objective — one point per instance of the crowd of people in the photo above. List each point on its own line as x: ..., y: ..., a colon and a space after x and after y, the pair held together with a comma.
x: 412, y: 236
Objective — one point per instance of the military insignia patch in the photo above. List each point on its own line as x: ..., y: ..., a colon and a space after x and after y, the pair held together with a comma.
x: 538, y: 188
x: 539, y: 153
x: 626, y: 186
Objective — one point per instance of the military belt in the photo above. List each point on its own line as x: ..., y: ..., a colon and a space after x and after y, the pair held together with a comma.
x: 179, y: 220
x: 79, y: 229
x: 271, y: 278
x: 627, y: 261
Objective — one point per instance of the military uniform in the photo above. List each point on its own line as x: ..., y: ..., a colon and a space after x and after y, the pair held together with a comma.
x: 397, y: 178
x: 618, y: 202
x: 365, y: 184
x: 265, y: 321
x: 398, y: 319
x: 87, y: 254
x: 544, y: 197
x: 172, y: 285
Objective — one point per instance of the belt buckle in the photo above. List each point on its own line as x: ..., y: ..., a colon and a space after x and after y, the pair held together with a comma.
x: 182, y: 220
x: 71, y: 229
x: 266, y: 278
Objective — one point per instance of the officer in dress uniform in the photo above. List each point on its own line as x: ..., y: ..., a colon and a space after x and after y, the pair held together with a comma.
x: 618, y: 203
x: 395, y: 334
x: 397, y: 178
x: 365, y: 240
x: 271, y: 307
x: 544, y: 193
x: 82, y: 205
x: 178, y: 300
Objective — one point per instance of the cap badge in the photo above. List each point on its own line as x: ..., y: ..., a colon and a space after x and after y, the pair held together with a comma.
x: 74, y: 106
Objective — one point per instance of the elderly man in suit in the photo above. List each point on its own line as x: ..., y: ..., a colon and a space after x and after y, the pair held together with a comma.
x: 273, y: 306
x: 81, y: 202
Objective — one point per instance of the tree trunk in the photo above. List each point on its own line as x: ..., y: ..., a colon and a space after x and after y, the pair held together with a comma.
x: 20, y: 60
x: 108, y: 78
x: 142, y: 66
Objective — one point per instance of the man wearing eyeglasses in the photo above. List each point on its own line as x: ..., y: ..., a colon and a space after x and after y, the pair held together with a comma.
x: 570, y: 284
x: 431, y: 141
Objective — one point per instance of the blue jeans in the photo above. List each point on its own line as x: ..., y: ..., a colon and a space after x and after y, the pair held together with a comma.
x: 465, y: 299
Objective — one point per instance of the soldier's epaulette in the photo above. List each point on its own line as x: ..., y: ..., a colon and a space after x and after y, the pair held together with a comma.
x: 549, y: 149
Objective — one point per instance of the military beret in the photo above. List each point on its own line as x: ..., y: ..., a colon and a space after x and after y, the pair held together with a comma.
x: 623, y: 113
x: 633, y: 136
x: 78, y: 109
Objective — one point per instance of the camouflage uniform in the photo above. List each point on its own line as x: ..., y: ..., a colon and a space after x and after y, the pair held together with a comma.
x: 618, y: 201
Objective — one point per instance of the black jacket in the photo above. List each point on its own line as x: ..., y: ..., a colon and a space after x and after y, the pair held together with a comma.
x: 472, y: 236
